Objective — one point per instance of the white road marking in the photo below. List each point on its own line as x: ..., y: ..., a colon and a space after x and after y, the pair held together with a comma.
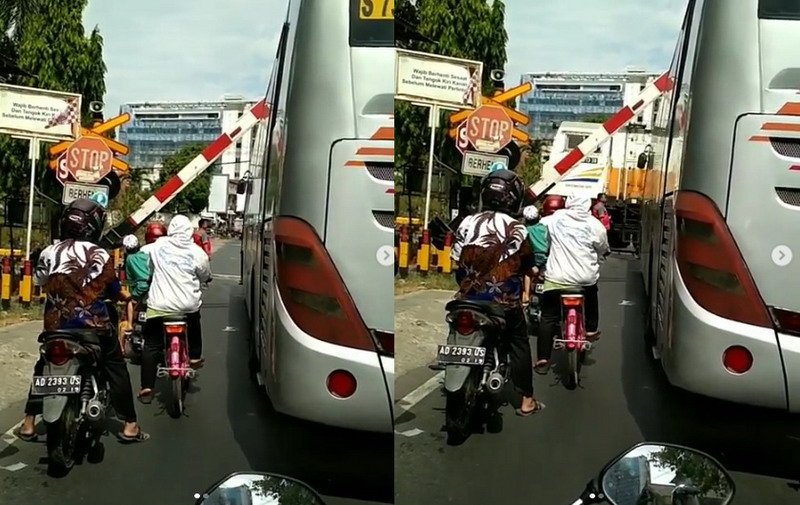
x: 9, y: 437
x: 229, y: 328
x: 408, y: 401
x: 409, y: 433
x: 226, y: 276
x: 15, y: 467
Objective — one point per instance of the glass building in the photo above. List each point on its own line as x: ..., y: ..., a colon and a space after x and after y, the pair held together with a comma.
x: 159, y: 129
x: 568, y: 96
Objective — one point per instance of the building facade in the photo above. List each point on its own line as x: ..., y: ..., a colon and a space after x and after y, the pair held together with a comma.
x: 570, y: 96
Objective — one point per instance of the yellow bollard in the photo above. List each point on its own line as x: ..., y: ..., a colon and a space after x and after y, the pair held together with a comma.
x: 402, y: 255
x: 446, y: 263
x: 424, y: 254
x: 5, y: 284
x: 26, y: 285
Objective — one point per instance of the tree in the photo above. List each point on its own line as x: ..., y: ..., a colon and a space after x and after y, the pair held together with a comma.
x: 471, y: 29
x: 695, y: 469
x: 46, y: 39
x: 596, y: 118
x: 194, y: 197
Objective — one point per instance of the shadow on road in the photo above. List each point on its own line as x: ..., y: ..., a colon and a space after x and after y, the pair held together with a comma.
x: 333, y: 461
x: 744, y: 439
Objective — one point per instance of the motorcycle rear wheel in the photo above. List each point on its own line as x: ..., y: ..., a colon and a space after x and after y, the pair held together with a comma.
x: 573, y: 368
x: 62, y: 440
x: 179, y: 386
x: 459, y: 409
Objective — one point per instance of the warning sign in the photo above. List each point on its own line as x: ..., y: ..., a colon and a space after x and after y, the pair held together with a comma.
x: 74, y: 191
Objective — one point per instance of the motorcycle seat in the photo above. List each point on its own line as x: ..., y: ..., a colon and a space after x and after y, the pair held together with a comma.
x: 489, y: 308
x: 572, y: 290
x: 85, y: 336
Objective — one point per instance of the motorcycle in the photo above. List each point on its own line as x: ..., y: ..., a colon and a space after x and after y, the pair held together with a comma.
x: 645, y: 474
x: 176, y: 362
x: 650, y: 473
x: 573, y: 336
x: 134, y: 338
x: 533, y: 312
x: 76, y: 396
x: 249, y: 488
x: 476, y: 367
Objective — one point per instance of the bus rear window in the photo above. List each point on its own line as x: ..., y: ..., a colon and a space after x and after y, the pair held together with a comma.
x: 779, y: 9
x: 372, y: 23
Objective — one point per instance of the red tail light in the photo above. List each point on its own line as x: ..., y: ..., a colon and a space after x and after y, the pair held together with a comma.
x: 173, y: 329
x: 711, y: 265
x: 571, y: 301
x: 737, y: 359
x: 342, y: 384
x: 465, y: 323
x: 58, y: 353
x: 786, y: 320
x: 312, y: 290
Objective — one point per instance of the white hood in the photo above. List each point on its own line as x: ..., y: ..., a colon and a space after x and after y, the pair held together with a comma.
x: 578, y: 242
x: 179, y: 267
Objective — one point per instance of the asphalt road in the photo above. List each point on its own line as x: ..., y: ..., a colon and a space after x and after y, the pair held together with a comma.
x: 229, y: 427
x: 624, y: 399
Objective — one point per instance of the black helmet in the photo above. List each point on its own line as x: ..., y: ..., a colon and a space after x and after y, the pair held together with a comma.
x: 502, y: 190
x: 83, y: 219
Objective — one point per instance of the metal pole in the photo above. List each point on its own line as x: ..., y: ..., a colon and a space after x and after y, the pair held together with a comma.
x: 33, y: 154
x: 434, y: 122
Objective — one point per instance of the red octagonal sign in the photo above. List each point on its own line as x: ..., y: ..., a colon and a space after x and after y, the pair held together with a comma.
x: 489, y: 128
x: 89, y: 160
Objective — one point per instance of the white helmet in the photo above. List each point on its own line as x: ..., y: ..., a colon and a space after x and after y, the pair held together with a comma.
x: 530, y: 213
x: 130, y: 242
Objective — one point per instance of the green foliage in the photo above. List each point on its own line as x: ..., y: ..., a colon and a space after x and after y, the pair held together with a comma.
x: 694, y: 469
x: 284, y: 492
x: 596, y: 118
x: 194, y: 198
x: 471, y: 29
x: 46, y: 39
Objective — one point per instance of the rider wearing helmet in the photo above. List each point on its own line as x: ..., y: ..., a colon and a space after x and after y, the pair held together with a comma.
x: 578, y: 244
x: 180, y: 269
x: 492, y: 255
x: 78, y: 277
x: 551, y: 204
x: 539, y: 239
x: 137, y: 265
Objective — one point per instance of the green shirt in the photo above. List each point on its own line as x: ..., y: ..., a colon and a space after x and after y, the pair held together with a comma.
x: 539, y: 238
x: 137, y: 274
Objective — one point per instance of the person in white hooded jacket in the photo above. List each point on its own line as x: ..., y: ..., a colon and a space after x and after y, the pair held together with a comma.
x: 578, y: 244
x: 179, y: 268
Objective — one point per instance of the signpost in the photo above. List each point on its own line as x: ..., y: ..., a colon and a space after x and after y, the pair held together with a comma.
x: 76, y: 190
x: 481, y: 164
x: 489, y: 128
x: 89, y: 160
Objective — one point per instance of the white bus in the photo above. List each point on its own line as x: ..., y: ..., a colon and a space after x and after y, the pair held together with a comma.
x: 319, y: 218
x: 718, y: 240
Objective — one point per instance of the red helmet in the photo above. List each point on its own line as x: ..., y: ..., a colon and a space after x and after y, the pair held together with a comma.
x: 552, y: 203
x: 154, y: 231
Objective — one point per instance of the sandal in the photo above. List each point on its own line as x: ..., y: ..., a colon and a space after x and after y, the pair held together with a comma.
x: 141, y: 436
x: 197, y: 363
x: 26, y: 437
x: 542, y: 367
x: 525, y: 413
x: 593, y: 337
x: 145, y: 396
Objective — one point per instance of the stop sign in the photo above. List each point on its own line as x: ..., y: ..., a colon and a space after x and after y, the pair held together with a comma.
x: 462, y: 142
x: 489, y: 128
x: 89, y: 159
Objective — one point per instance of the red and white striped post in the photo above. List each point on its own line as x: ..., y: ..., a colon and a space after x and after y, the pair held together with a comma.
x: 553, y: 172
x: 187, y: 174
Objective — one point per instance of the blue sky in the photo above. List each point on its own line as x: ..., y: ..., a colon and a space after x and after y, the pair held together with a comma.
x: 202, y: 49
x: 185, y: 49
x: 590, y: 35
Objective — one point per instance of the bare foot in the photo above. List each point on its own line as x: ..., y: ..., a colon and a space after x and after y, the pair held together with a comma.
x: 131, y: 429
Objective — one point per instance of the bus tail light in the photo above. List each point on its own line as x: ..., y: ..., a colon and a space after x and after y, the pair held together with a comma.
x: 312, y: 290
x: 711, y: 265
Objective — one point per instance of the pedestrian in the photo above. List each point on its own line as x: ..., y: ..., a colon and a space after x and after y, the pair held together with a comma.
x: 201, y: 237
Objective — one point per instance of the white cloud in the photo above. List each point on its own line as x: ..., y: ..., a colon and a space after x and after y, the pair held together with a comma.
x: 185, y: 49
x: 590, y: 35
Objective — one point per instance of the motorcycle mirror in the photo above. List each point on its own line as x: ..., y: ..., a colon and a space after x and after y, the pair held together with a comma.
x: 244, y: 488
x: 652, y: 473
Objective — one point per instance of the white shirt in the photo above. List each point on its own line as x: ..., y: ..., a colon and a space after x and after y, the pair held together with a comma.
x: 578, y: 243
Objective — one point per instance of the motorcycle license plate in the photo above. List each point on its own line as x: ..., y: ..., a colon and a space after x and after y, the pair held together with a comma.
x: 461, y: 355
x: 56, y: 385
x: 539, y: 288
x: 142, y: 317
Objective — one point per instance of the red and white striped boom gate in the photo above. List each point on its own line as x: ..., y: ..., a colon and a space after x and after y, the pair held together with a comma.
x: 554, y: 171
x: 163, y: 195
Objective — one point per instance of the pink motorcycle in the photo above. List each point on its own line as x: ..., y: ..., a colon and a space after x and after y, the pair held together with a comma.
x: 573, y: 335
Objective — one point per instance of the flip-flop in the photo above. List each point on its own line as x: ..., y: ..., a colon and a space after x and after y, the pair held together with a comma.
x: 26, y: 437
x: 526, y: 413
x: 145, y: 398
x: 141, y: 436
x: 197, y: 363
x: 542, y: 368
x: 595, y: 337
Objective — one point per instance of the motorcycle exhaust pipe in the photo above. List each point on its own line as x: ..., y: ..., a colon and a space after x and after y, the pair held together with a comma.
x: 494, y: 384
x: 95, y: 411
